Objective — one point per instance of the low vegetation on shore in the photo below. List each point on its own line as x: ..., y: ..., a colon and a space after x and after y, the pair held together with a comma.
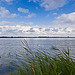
x: 41, y: 63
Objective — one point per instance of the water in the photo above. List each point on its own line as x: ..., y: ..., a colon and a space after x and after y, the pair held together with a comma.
x: 10, y: 48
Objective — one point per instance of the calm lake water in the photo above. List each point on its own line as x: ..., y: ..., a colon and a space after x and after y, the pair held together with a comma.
x: 10, y: 48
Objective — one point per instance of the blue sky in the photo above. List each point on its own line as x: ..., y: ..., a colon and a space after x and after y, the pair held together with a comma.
x: 37, y: 17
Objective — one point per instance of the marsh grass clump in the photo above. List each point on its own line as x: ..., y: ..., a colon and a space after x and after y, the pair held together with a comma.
x: 41, y: 63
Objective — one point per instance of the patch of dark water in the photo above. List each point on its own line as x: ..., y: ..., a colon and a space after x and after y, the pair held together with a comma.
x: 5, y: 70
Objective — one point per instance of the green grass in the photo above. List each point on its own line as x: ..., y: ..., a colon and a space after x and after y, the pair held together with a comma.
x: 41, y: 63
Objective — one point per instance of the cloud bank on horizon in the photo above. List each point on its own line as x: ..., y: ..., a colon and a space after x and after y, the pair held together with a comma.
x: 37, y: 17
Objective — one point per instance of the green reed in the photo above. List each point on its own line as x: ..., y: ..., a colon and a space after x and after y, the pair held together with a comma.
x: 41, y: 63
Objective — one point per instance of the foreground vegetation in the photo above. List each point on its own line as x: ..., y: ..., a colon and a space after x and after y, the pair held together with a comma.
x: 41, y: 63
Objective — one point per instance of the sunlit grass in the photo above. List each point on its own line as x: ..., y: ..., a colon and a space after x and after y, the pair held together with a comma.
x: 41, y: 63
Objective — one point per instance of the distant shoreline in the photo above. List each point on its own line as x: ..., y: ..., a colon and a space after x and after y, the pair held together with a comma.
x: 36, y: 37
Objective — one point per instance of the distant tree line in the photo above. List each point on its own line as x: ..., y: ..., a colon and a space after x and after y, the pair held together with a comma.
x: 33, y: 37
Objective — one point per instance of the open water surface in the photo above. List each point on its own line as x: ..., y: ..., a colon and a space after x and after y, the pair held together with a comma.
x: 10, y: 48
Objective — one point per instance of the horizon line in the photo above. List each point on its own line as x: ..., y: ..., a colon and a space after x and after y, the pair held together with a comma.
x: 37, y: 37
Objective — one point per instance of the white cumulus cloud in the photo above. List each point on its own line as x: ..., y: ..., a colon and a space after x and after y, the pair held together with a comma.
x: 27, y: 29
x: 6, y: 13
x: 26, y: 11
x: 23, y: 10
x: 67, y: 19
x: 50, y: 4
x: 6, y: 1
x: 31, y: 15
x: 5, y: 23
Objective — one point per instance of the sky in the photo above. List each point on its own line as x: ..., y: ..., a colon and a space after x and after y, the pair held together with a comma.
x: 37, y: 18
